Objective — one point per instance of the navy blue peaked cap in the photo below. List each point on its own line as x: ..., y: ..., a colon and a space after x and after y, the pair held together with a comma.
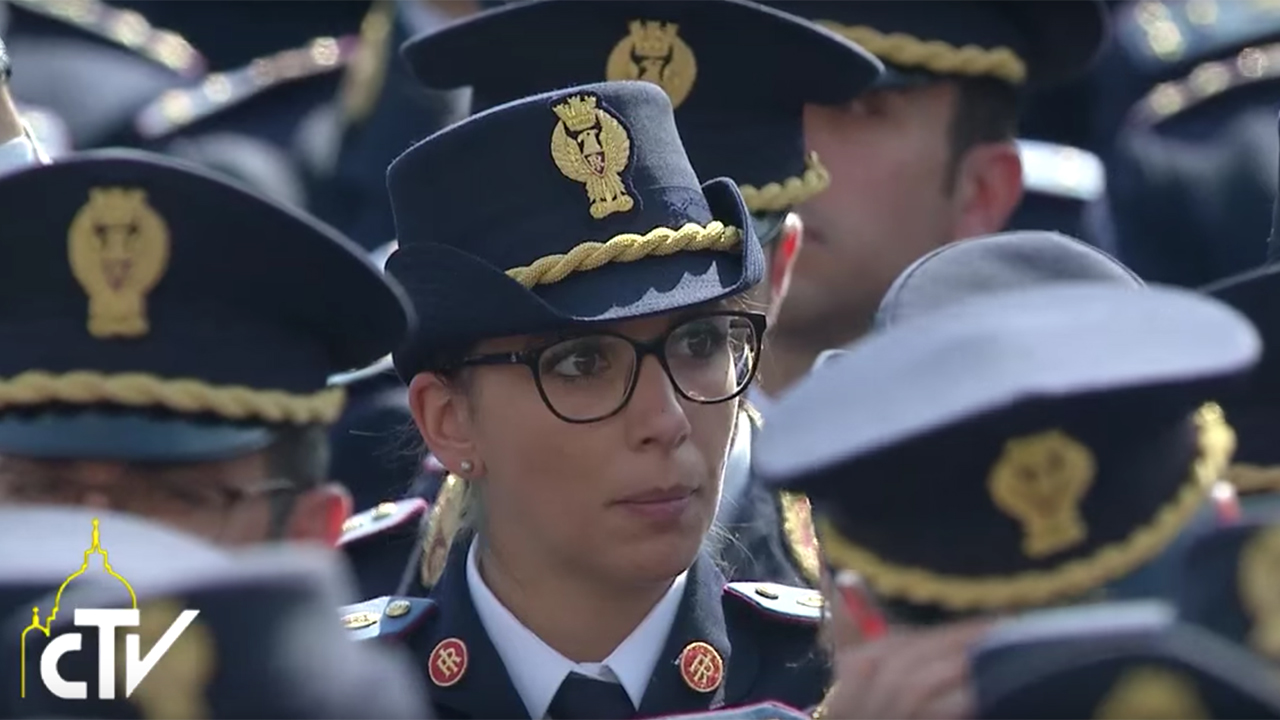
x: 1019, y: 448
x: 152, y: 311
x: 1228, y: 581
x: 1004, y: 261
x: 265, y: 641
x: 500, y: 221
x: 739, y: 110
x: 1017, y: 42
x: 1117, y: 660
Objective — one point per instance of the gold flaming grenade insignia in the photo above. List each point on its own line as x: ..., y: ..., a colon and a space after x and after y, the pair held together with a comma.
x: 1151, y: 692
x: 118, y: 246
x: 1259, y: 588
x: 654, y: 52
x: 1039, y: 481
x: 590, y: 146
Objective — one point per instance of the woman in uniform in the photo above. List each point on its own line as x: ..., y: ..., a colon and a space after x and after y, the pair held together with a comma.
x: 581, y: 353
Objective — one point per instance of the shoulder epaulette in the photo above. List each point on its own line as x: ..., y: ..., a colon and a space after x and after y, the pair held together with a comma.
x: 755, y: 711
x: 1206, y: 81
x: 125, y: 28
x: 1061, y: 171
x: 178, y: 108
x: 380, y: 519
x: 1161, y: 37
x: 388, y: 616
x: 783, y: 602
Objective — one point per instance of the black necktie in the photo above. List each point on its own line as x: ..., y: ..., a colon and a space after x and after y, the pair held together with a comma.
x: 584, y: 698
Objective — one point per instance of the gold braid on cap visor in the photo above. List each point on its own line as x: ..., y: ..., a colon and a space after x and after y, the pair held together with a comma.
x: 1072, y: 579
x: 183, y: 396
x: 935, y: 56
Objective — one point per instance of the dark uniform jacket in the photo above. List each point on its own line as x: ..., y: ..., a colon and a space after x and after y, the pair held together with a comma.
x: 765, y: 635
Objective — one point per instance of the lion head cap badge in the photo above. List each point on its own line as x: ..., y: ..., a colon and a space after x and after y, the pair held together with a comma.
x: 654, y: 51
x: 1259, y: 588
x: 118, y: 246
x: 1039, y: 481
x: 590, y: 146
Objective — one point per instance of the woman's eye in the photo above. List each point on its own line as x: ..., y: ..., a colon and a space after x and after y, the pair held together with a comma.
x: 581, y: 361
x: 702, y: 340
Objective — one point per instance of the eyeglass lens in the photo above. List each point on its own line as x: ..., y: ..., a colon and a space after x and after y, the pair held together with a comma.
x: 709, y: 359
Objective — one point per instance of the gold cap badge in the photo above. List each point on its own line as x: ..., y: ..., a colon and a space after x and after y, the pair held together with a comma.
x: 118, y: 246
x: 1039, y: 481
x: 654, y: 51
x: 1152, y: 693
x: 1259, y: 587
x: 595, y: 155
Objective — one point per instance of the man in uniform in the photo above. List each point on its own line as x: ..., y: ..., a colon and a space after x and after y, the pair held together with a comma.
x: 926, y: 158
x: 256, y: 635
x: 1190, y: 177
x: 1023, y: 449
x: 730, y: 128
x: 166, y: 339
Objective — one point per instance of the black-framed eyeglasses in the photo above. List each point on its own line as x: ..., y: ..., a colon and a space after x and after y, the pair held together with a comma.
x: 709, y: 358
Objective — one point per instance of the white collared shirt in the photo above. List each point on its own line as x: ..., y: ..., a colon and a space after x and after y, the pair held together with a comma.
x: 18, y: 154
x: 536, y: 669
x: 759, y: 400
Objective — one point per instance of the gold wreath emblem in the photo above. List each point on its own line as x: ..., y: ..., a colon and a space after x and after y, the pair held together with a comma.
x: 118, y: 246
x: 654, y: 51
x: 1259, y: 588
x: 1039, y: 481
x: 1152, y: 693
x: 595, y: 154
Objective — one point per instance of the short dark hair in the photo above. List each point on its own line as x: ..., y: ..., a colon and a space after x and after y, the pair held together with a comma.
x: 986, y: 111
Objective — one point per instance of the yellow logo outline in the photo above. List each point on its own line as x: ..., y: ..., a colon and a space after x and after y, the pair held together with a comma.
x: 94, y: 547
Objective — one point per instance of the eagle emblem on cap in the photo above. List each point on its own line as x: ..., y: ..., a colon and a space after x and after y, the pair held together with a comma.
x: 118, y: 246
x: 1039, y: 481
x: 653, y: 51
x: 590, y: 146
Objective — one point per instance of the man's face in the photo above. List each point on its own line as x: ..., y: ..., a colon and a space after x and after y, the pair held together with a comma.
x: 889, y: 203
x: 225, y: 501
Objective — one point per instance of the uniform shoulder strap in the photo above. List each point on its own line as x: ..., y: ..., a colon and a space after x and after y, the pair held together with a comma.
x: 389, y: 616
x: 126, y: 29
x: 383, y: 518
x: 180, y: 108
x: 779, y: 602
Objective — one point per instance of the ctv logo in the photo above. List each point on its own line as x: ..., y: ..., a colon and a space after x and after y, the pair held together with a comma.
x: 136, y: 665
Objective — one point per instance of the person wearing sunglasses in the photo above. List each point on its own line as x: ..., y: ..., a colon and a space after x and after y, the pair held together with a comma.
x: 165, y: 340
x: 579, y: 363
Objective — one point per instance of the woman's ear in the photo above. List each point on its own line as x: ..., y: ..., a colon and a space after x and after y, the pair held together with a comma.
x: 443, y: 417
